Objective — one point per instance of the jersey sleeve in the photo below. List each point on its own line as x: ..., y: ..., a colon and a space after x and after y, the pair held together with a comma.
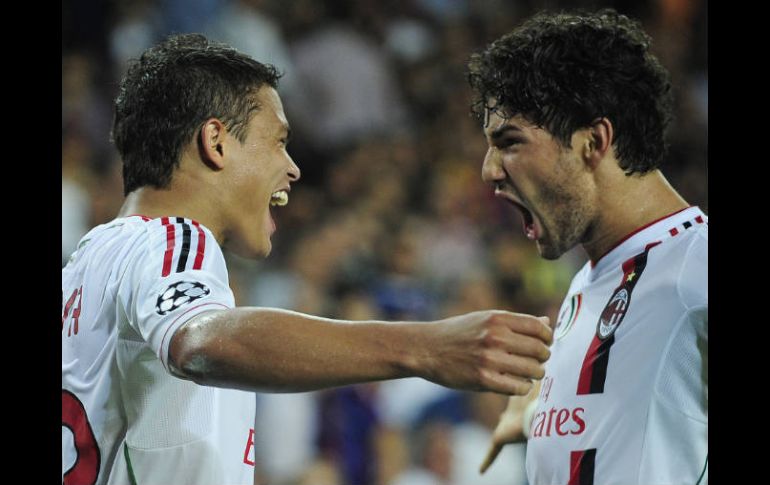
x: 180, y: 274
x: 684, y: 367
x: 692, y: 283
x: 678, y: 412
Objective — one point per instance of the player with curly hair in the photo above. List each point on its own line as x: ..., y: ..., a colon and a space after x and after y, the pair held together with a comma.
x: 575, y: 109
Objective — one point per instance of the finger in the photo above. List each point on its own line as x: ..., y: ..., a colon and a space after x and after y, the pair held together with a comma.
x: 494, y: 450
x: 524, y: 367
x: 538, y: 327
x: 524, y: 345
x: 494, y: 381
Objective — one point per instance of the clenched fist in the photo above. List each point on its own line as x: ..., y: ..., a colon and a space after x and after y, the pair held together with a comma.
x: 492, y: 350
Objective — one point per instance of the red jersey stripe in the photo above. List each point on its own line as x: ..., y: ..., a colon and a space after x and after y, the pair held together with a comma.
x: 587, y: 370
x: 170, y: 238
x: 201, y: 246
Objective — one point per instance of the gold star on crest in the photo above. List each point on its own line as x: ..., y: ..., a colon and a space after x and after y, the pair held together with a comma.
x: 630, y: 277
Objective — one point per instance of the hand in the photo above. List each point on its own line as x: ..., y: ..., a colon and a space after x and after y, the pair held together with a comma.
x: 493, y: 350
x: 510, y: 428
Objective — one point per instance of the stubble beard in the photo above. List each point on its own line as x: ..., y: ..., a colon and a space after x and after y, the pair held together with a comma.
x: 566, y: 223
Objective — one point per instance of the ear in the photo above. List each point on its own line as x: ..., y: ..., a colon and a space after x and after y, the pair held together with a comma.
x: 598, y: 144
x: 210, y: 143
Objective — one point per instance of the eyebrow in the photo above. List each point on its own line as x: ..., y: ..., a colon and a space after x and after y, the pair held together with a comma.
x: 499, y: 132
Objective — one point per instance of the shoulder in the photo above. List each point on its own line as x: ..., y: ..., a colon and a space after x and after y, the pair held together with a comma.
x: 692, y: 281
x: 108, y: 244
x: 139, y: 247
x: 177, y: 244
x: 679, y: 265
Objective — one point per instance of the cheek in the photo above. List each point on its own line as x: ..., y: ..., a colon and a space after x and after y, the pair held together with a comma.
x: 252, y: 185
x: 529, y: 181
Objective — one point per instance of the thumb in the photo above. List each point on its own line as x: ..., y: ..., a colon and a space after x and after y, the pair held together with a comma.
x: 494, y: 450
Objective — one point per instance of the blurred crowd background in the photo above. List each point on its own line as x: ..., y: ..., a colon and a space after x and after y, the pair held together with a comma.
x: 390, y: 220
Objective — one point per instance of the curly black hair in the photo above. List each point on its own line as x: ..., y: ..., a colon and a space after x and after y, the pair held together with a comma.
x: 563, y: 71
x: 170, y: 91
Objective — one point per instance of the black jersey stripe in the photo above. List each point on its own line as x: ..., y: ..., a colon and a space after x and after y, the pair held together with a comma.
x: 582, y: 466
x: 593, y: 373
x: 183, y: 255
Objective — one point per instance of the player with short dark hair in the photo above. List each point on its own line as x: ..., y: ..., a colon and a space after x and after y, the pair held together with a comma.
x: 155, y: 355
x: 575, y: 109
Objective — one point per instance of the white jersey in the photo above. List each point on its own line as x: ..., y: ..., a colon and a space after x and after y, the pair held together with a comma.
x: 625, y: 396
x: 125, y: 419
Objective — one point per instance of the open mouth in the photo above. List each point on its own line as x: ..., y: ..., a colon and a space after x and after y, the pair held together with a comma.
x: 527, y: 218
x: 279, y: 198
x: 528, y: 221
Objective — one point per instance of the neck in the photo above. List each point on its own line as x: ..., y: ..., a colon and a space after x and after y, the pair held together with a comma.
x: 173, y: 201
x: 631, y: 203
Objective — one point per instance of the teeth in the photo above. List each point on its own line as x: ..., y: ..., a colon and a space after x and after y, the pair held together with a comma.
x: 279, y: 198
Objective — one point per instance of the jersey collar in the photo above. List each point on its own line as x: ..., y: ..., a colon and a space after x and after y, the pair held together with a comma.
x: 635, y: 242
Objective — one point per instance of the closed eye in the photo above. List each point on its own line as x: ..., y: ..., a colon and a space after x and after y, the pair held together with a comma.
x: 286, y: 137
x: 508, y: 142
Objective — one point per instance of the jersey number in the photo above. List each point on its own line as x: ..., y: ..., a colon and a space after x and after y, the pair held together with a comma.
x: 86, y: 467
x: 77, y: 295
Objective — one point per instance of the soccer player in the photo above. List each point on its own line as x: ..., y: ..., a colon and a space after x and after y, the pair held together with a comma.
x: 575, y: 108
x: 155, y: 357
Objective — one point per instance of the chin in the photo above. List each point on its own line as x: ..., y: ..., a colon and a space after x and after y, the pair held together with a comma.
x: 247, y: 250
x: 549, y: 251
x: 266, y: 252
x: 262, y: 252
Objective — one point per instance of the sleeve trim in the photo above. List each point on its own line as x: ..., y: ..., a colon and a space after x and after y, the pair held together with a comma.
x: 176, y: 324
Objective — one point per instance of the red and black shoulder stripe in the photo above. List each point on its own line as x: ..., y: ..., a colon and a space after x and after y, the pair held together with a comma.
x: 185, y: 245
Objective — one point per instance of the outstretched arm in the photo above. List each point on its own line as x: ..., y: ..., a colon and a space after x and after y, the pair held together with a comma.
x: 283, y: 351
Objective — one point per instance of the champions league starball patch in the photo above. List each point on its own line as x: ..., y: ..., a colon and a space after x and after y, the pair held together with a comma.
x: 179, y: 294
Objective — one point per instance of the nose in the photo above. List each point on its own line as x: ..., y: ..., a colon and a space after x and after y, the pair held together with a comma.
x: 492, y: 169
x: 294, y: 172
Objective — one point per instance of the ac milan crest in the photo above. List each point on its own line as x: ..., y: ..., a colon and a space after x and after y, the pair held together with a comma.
x: 593, y: 373
x: 613, y: 313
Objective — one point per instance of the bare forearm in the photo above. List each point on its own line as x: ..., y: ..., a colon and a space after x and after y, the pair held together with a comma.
x: 281, y: 351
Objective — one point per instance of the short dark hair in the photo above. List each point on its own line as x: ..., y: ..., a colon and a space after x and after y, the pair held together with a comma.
x: 170, y: 91
x: 562, y: 71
